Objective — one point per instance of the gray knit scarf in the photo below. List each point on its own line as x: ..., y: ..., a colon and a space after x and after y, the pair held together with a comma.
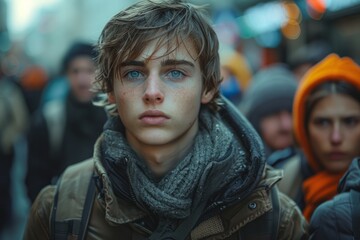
x: 216, y: 159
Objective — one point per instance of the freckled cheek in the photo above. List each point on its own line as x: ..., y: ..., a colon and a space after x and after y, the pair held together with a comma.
x: 186, y: 100
x: 124, y: 99
x: 125, y: 94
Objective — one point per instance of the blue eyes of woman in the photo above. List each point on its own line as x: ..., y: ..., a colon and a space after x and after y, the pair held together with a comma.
x: 171, y: 75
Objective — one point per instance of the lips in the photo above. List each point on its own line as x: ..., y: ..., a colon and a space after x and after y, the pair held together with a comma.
x: 153, y: 117
x: 337, y: 155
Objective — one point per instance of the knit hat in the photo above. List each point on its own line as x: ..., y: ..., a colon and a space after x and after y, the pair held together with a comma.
x: 76, y: 50
x: 330, y: 68
x: 271, y: 90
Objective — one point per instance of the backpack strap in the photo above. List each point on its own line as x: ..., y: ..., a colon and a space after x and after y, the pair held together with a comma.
x: 275, y: 212
x: 266, y: 226
x: 355, y: 214
x: 73, y: 202
x: 85, y: 218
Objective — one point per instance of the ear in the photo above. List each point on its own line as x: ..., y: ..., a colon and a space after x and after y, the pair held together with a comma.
x: 111, y: 97
x: 207, y: 96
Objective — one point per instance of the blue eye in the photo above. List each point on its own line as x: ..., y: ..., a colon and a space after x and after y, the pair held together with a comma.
x: 134, y: 75
x: 175, y: 75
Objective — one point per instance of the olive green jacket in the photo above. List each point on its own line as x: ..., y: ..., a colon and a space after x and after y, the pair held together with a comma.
x: 112, y: 218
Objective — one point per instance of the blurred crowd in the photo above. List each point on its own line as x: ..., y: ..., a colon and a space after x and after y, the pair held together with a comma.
x: 306, y: 111
x: 46, y: 125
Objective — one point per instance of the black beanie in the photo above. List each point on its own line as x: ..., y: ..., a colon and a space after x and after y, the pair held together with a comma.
x: 76, y: 50
x: 272, y: 90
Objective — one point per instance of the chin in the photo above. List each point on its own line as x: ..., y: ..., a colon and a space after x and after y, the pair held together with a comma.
x: 282, y: 146
x: 155, y: 139
x: 337, y: 168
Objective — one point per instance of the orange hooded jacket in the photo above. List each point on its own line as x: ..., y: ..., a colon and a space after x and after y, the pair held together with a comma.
x: 323, y: 185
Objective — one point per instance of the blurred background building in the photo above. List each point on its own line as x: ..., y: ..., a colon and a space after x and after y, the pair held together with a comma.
x: 45, y: 28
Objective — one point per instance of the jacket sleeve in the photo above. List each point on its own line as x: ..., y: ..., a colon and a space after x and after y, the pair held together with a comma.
x: 332, y: 219
x: 293, y: 225
x: 38, y: 225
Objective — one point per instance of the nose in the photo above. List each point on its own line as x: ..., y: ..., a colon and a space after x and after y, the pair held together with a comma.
x: 286, y: 120
x: 153, y: 93
x: 84, y: 76
x: 336, y: 135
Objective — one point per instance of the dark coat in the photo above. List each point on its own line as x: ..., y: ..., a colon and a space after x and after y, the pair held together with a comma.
x: 333, y: 219
x: 62, y: 132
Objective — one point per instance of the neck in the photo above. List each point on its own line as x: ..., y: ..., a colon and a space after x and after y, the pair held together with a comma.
x: 163, y: 158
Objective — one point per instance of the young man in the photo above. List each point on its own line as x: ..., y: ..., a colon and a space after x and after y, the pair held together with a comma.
x: 172, y: 162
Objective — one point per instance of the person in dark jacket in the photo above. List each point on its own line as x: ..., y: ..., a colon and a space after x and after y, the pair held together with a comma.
x: 175, y: 159
x: 267, y: 104
x: 333, y: 219
x: 64, y: 130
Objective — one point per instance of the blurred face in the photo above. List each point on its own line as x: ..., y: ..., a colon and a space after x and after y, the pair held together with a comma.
x: 334, y: 131
x: 81, y: 74
x: 158, y: 97
x: 276, y: 130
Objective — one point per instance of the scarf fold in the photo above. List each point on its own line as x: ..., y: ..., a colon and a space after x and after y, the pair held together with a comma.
x: 319, y: 188
x: 216, y: 158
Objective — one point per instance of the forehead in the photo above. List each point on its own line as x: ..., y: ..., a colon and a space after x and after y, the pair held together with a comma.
x: 81, y: 61
x: 171, y: 50
x: 336, y: 105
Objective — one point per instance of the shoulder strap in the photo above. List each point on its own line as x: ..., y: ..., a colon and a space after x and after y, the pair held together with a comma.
x: 266, y: 226
x: 73, y: 202
x: 275, y: 212
x: 355, y: 202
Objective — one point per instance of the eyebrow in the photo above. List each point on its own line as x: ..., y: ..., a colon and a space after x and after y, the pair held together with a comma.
x: 132, y: 63
x: 168, y: 62
x: 171, y: 62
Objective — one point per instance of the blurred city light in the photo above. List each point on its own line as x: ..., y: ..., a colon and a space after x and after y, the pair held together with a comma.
x: 291, y: 29
x: 265, y: 17
x: 22, y: 13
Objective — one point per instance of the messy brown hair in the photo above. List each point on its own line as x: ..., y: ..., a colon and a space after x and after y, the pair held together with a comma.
x: 128, y: 33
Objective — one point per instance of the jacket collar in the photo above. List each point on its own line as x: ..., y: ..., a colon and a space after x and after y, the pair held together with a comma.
x: 121, y: 212
x: 351, y: 179
x: 232, y: 218
x: 117, y: 211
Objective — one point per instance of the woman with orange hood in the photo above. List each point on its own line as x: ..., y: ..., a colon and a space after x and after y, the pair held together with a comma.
x: 326, y: 115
